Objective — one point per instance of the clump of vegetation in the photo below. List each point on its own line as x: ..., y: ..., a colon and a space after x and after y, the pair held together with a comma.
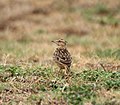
x: 77, y: 94
x: 106, y: 79
x: 84, y: 86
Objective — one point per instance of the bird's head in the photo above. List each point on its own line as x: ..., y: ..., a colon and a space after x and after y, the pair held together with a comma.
x: 60, y: 42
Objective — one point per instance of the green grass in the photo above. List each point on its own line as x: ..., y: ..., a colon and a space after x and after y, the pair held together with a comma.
x: 104, y: 53
x: 40, y: 81
x: 101, y: 14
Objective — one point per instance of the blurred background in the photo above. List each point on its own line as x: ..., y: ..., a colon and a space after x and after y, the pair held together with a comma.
x: 91, y: 27
x: 27, y: 73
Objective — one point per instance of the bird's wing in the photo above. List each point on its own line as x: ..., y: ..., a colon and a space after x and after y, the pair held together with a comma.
x: 63, y: 56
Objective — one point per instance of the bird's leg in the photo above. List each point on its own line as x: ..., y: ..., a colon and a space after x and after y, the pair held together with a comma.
x: 67, y: 70
x: 67, y: 75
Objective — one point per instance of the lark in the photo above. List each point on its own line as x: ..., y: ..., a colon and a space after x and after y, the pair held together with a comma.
x: 61, y: 55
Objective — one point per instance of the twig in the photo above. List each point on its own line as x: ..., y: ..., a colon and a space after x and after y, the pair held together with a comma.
x: 102, y: 66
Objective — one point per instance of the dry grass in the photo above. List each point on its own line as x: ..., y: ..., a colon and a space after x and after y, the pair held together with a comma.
x: 27, y: 27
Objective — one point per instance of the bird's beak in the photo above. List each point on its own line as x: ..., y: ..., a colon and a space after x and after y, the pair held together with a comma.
x: 53, y: 41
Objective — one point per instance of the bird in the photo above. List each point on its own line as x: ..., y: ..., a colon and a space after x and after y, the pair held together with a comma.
x: 62, y: 56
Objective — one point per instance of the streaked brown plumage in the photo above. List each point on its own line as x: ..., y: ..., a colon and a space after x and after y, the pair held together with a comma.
x: 61, y: 56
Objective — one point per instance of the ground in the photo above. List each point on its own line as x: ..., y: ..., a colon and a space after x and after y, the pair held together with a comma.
x: 28, y: 76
